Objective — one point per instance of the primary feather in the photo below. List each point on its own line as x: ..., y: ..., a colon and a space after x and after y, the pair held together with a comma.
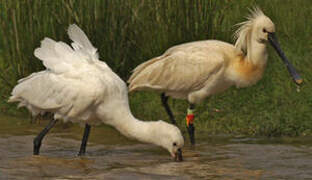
x: 81, y: 43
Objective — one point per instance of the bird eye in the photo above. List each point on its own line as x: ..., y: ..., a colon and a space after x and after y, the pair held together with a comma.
x: 264, y: 30
x: 174, y: 144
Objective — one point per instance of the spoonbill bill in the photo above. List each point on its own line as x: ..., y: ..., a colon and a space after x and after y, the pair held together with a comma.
x: 196, y: 70
x: 76, y: 86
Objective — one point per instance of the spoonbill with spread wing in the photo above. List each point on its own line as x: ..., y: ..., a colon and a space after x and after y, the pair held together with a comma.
x: 76, y: 86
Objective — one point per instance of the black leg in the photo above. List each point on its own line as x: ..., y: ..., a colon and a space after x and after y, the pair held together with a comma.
x: 84, y: 140
x: 190, y: 123
x: 38, y: 139
x: 164, y: 100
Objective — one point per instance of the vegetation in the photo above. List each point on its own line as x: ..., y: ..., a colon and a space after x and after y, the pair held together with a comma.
x: 128, y: 33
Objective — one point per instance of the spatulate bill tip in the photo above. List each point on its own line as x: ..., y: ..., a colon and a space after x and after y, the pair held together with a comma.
x: 299, y: 81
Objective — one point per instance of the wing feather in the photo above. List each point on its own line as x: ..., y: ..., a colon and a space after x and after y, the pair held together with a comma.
x: 46, y: 91
x: 180, y: 69
x: 81, y: 43
x: 60, y: 57
x: 72, y: 83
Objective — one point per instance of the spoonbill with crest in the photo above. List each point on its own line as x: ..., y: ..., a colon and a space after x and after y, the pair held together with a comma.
x: 196, y: 70
x: 76, y: 86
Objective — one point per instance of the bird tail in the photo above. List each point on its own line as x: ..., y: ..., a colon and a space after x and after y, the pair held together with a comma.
x: 60, y: 57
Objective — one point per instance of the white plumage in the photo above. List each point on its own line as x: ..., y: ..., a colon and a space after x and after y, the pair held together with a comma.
x: 78, y: 87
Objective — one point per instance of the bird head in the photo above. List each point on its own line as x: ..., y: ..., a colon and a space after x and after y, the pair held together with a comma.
x: 256, y: 27
x: 265, y: 32
x: 260, y: 28
x: 169, y: 137
x: 263, y: 27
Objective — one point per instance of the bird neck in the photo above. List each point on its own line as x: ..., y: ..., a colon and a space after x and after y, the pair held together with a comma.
x: 136, y: 129
x: 131, y: 127
x: 248, y: 69
x: 256, y: 53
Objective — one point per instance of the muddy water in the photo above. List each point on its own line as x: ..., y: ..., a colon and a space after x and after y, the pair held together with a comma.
x: 111, y: 156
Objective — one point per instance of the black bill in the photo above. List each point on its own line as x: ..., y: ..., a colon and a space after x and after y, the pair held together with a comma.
x: 291, y: 69
x: 178, y: 155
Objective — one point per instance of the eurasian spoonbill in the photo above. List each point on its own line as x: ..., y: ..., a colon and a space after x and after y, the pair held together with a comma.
x: 196, y: 70
x: 76, y: 86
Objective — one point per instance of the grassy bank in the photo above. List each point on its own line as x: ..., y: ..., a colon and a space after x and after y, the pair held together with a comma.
x: 128, y: 33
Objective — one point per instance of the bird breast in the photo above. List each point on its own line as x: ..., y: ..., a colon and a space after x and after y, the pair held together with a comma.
x: 245, y: 73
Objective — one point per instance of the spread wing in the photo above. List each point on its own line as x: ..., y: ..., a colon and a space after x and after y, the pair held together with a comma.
x: 70, y: 85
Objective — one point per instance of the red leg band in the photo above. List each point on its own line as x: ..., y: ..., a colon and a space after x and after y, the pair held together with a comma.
x: 189, y: 119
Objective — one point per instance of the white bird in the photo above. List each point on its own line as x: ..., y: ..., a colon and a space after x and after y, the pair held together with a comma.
x: 76, y: 86
x: 196, y: 70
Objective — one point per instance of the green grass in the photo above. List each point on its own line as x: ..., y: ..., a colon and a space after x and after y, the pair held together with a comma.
x: 128, y: 33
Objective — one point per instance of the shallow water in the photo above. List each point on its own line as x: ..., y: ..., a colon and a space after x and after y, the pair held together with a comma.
x: 111, y: 156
